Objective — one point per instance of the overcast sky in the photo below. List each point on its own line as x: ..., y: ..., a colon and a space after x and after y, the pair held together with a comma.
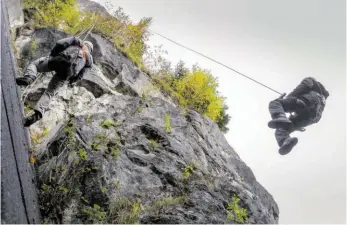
x: 278, y: 43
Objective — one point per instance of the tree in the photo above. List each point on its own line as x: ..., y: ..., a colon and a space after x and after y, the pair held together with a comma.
x: 223, y: 120
x: 181, y: 70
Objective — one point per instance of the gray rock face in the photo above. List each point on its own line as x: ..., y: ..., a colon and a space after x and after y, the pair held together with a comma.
x: 115, y: 155
x: 91, y: 6
x: 121, y: 152
x: 15, y: 13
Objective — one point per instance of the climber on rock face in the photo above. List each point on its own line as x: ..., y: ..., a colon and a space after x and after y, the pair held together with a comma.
x: 307, y: 102
x: 70, y: 59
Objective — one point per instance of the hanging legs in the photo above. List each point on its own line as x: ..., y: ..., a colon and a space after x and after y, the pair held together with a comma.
x: 284, y: 127
x: 38, y: 66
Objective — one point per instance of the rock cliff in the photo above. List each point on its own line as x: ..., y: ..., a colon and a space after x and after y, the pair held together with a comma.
x: 113, y: 149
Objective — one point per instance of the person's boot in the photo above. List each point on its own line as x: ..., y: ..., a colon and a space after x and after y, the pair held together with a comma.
x: 280, y: 122
x: 31, y: 119
x: 25, y: 81
x: 288, y: 145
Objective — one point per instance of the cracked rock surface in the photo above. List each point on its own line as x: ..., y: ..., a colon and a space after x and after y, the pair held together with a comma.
x: 106, y: 153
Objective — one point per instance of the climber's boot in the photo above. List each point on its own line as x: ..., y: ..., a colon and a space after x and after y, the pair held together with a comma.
x: 288, y: 145
x: 281, y: 122
x: 25, y: 81
x: 31, y: 119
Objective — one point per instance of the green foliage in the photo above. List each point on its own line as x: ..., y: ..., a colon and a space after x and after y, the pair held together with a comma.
x: 194, y: 89
x: 36, y: 137
x: 27, y: 109
x: 70, y: 129
x: 107, y: 123
x: 98, y: 140
x: 95, y: 214
x: 139, y: 109
x: 45, y: 187
x: 198, y: 89
x: 45, y: 132
x: 126, y: 36
x: 103, y: 189
x: 62, y: 14
x: 181, y: 70
x: 115, y: 153
x: 189, y: 169
x: 123, y: 211
x: 223, y: 120
x: 167, y: 121
x: 63, y: 189
x: 152, y: 144
x: 236, y: 213
x: 166, y: 202
x: 82, y: 154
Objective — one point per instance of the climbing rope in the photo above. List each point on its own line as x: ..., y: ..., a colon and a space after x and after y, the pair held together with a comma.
x: 83, y: 31
x: 192, y: 50
x: 88, y: 28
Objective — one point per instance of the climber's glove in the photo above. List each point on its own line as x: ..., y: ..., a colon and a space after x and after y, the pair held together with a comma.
x: 72, y: 81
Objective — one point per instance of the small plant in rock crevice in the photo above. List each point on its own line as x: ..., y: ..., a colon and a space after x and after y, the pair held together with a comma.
x: 167, y: 121
x: 98, y: 141
x: 63, y: 189
x: 103, y: 189
x: 166, y: 202
x: 37, y: 137
x: 123, y: 211
x: 83, y: 154
x: 113, y: 151
x: 189, y: 169
x: 139, y: 109
x: 153, y: 144
x: 107, y: 123
x: 27, y: 109
x: 94, y: 214
x: 236, y: 213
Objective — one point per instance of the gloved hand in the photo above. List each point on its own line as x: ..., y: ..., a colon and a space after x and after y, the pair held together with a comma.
x: 72, y: 81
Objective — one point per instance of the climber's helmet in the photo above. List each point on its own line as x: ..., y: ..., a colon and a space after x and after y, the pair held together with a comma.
x: 89, y: 45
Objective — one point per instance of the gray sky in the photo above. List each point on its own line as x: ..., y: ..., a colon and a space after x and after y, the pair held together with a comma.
x: 278, y: 43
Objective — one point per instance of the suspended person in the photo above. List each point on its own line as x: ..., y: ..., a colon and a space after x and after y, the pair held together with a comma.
x: 71, y: 59
x: 306, y: 104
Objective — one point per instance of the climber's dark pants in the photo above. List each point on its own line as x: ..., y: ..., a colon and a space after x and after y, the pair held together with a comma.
x: 279, y: 107
x: 63, y: 71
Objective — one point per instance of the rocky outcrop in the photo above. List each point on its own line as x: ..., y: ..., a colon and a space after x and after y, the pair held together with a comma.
x: 91, y: 6
x: 112, y: 149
